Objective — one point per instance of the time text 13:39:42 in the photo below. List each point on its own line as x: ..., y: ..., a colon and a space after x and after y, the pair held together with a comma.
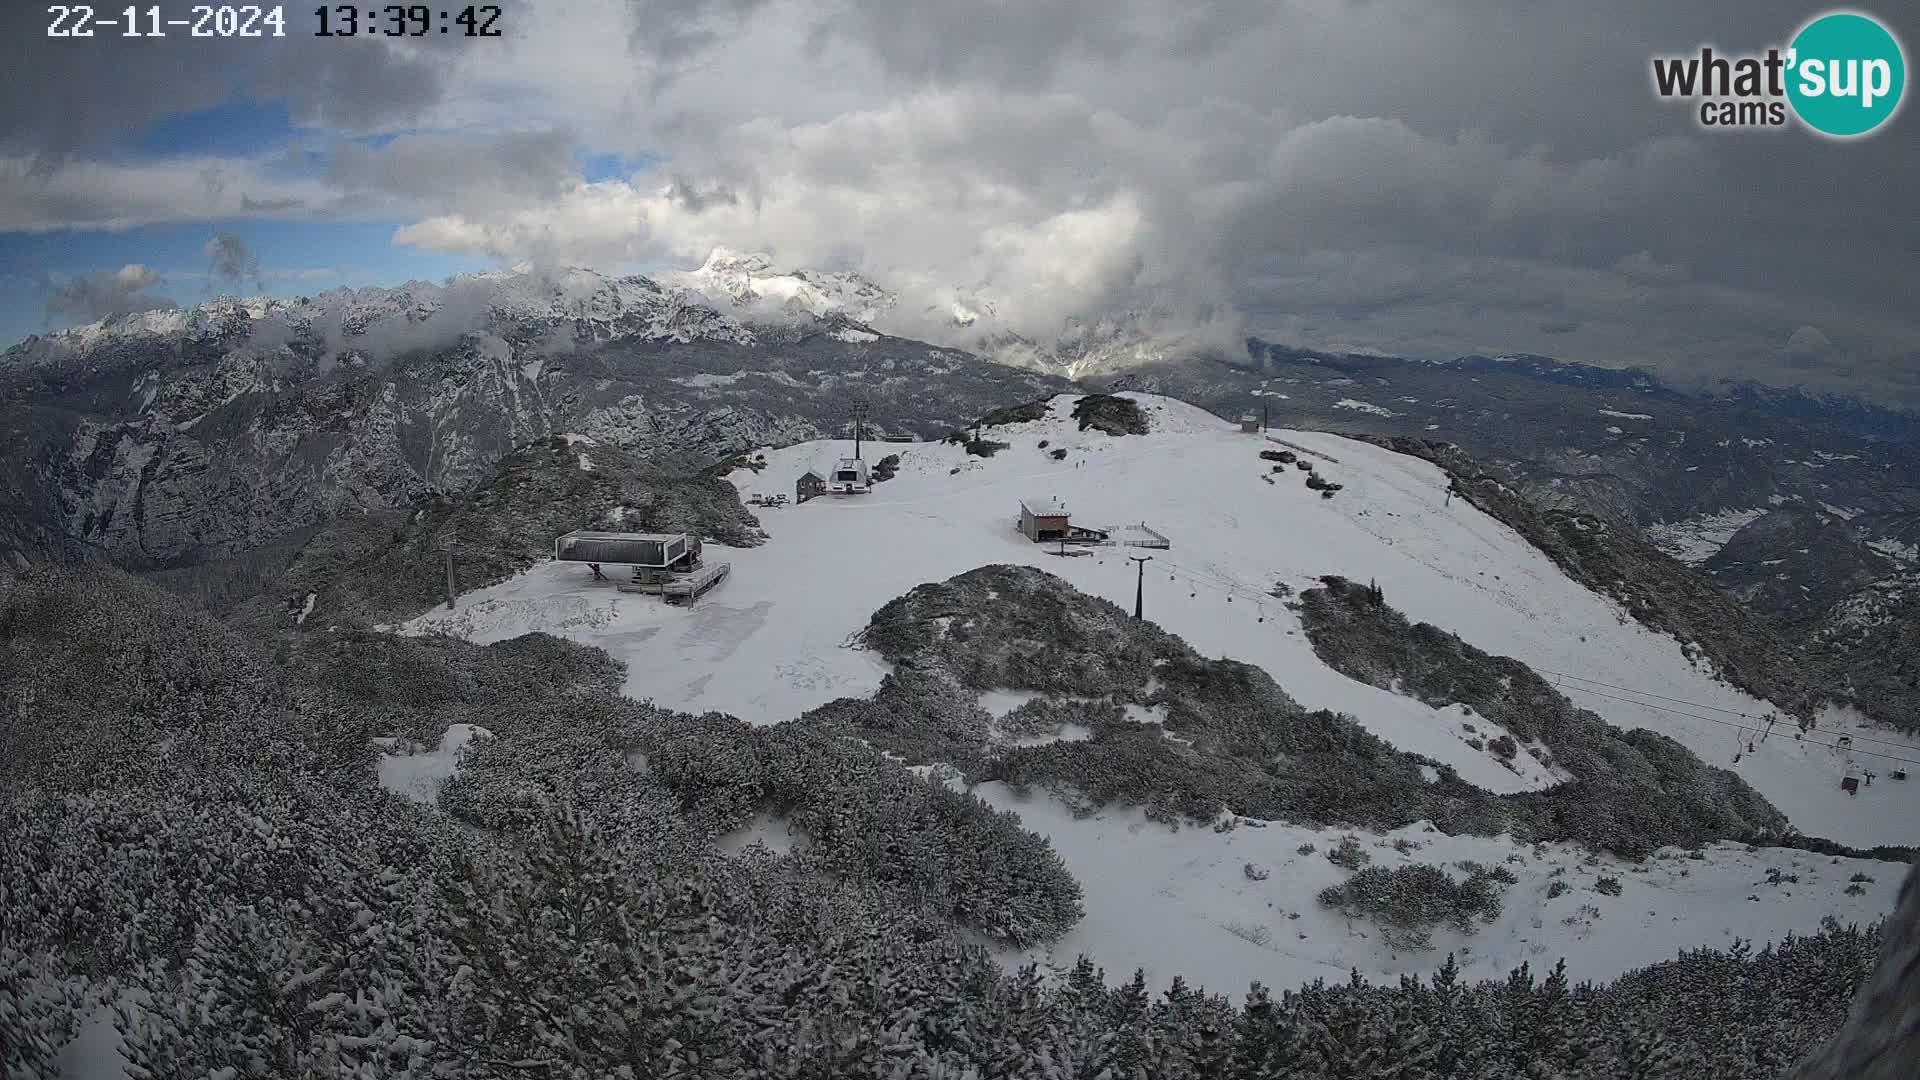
x: 407, y: 20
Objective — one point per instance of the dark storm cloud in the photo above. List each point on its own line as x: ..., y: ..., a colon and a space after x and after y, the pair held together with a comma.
x: 87, y: 95
x: 1419, y: 176
x: 695, y: 197
x: 1004, y: 42
x: 671, y: 34
x: 1523, y: 133
x: 103, y: 295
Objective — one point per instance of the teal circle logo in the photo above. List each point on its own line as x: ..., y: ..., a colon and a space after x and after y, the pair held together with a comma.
x: 1846, y: 74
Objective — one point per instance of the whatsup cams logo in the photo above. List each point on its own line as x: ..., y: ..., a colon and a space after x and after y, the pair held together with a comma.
x: 1842, y: 75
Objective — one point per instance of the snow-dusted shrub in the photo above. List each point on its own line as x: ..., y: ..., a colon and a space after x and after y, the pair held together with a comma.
x: 1024, y: 413
x: 39, y: 1010
x: 1111, y: 414
x: 1494, y: 871
x: 947, y: 851
x: 710, y: 761
x: 1634, y: 791
x: 1409, y: 901
x: 1252, y: 748
x: 1349, y: 854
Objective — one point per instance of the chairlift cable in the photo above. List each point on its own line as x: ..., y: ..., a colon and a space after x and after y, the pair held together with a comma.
x: 1702, y: 705
x: 1729, y: 723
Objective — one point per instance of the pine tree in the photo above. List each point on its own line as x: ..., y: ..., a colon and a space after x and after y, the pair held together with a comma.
x: 39, y: 1010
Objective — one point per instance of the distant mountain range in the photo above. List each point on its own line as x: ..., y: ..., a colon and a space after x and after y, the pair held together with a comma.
x: 167, y: 438
x: 1834, y: 476
x: 162, y: 439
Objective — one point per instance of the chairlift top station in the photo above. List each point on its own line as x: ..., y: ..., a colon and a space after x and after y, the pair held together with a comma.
x: 666, y: 564
x: 657, y: 551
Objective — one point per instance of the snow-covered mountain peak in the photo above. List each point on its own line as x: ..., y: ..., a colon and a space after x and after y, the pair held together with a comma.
x: 737, y: 280
x: 725, y: 260
x: 421, y: 314
x: 750, y: 284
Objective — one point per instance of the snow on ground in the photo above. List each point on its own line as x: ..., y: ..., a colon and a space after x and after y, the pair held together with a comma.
x: 1363, y: 406
x: 1895, y: 550
x: 1696, y: 540
x: 766, y: 829
x: 1625, y: 415
x: 95, y: 1049
x: 1002, y: 702
x: 704, y: 379
x: 777, y: 638
x: 417, y: 773
x: 1183, y: 902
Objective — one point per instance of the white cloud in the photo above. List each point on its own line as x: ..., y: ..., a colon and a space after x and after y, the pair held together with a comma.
x: 1411, y: 175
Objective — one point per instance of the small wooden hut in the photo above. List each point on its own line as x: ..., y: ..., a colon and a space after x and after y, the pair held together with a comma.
x: 1044, y: 519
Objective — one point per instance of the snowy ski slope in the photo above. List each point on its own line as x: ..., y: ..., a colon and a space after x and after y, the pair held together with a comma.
x: 773, y: 642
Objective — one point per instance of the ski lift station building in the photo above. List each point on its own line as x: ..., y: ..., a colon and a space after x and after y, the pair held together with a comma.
x: 849, y: 477
x: 656, y: 551
x: 666, y: 564
x: 1044, y: 519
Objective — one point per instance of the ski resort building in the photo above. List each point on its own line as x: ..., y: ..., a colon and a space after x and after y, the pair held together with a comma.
x: 1044, y: 519
x: 656, y: 551
x: 1250, y: 424
x: 665, y: 564
x: 850, y: 477
x: 810, y: 485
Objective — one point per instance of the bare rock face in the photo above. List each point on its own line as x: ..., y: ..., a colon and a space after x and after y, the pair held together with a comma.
x: 1881, y: 1039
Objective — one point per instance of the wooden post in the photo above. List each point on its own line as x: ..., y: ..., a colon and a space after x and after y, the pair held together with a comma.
x: 450, y: 588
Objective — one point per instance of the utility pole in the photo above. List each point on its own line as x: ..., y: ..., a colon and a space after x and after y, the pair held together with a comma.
x: 1264, y: 427
x: 450, y: 575
x: 1140, y: 580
